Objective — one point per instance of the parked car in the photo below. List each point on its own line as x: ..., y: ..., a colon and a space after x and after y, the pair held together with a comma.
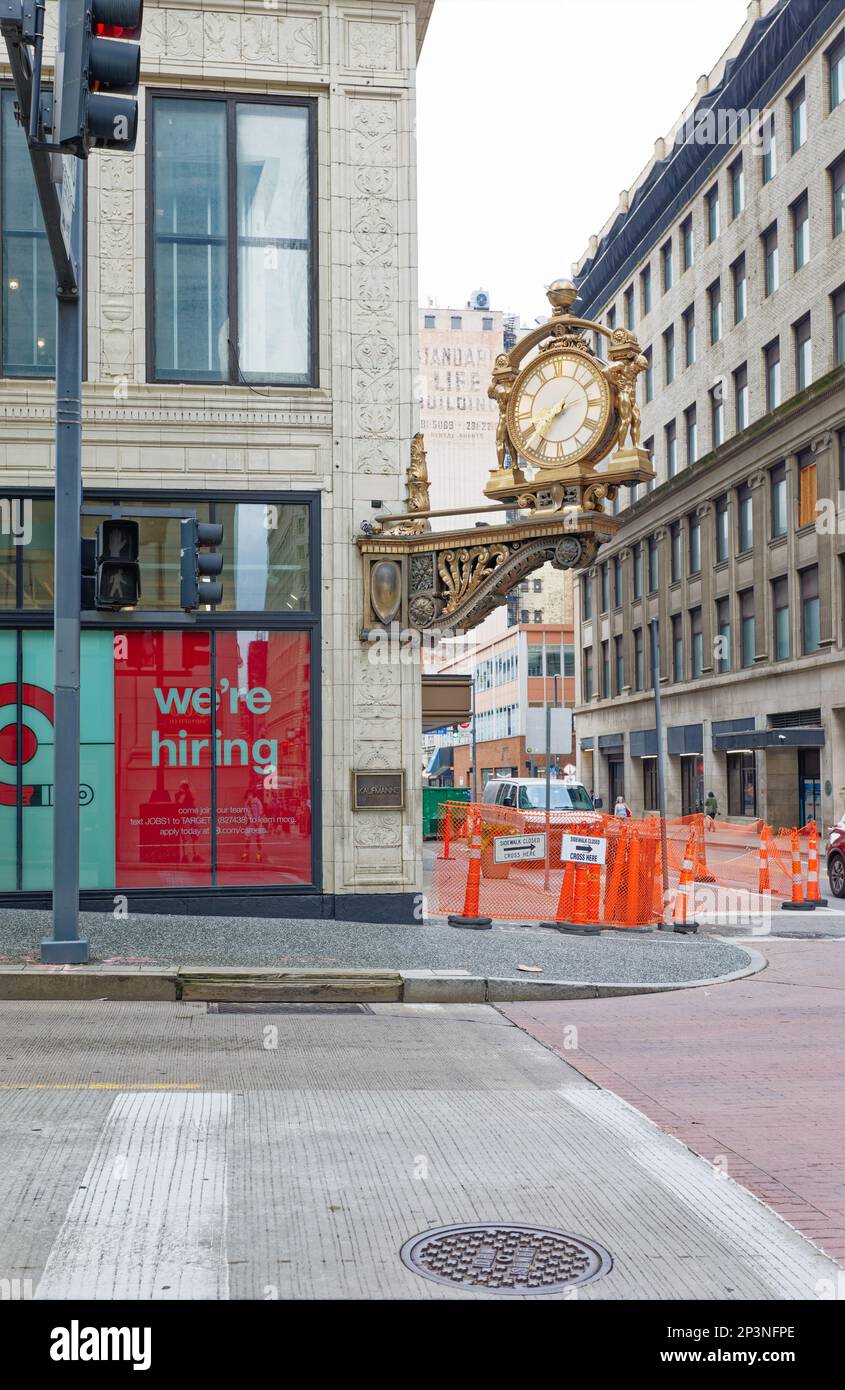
x: 836, y: 858
x: 517, y: 806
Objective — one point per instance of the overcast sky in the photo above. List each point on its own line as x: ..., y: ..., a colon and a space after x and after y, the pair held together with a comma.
x: 532, y: 115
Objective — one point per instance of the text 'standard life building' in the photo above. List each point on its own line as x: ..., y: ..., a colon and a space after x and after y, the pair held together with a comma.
x: 728, y: 260
x: 250, y: 354
x: 458, y: 350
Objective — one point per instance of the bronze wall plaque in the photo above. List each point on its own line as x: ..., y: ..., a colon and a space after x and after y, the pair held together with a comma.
x: 379, y: 791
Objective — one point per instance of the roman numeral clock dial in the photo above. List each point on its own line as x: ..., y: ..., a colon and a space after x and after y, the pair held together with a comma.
x: 560, y: 409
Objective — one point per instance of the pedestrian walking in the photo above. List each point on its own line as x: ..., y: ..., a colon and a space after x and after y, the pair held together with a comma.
x: 621, y: 808
x: 711, y: 810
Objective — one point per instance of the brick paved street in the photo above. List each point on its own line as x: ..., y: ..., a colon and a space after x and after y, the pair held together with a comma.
x: 748, y: 1074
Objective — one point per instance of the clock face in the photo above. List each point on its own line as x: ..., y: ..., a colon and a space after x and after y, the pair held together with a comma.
x: 559, y: 409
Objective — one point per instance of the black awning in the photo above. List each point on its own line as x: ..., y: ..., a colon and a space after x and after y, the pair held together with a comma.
x: 755, y: 739
x: 441, y: 759
x: 643, y: 743
x: 609, y: 743
x: 685, y: 738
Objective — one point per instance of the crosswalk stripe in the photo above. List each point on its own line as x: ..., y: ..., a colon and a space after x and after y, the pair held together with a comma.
x: 149, y: 1218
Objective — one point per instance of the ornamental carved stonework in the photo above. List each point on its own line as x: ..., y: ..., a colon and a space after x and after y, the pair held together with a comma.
x: 422, y: 573
x: 462, y: 571
x: 375, y: 386
x: 375, y: 458
x: 299, y: 42
x: 377, y: 831
x: 373, y: 46
x: 266, y: 38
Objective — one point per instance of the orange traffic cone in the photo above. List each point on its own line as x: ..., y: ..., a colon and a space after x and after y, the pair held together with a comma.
x: 814, y: 898
x: 702, y: 872
x: 470, y: 917
x: 681, y: 920
x: 796, y: 902
x: 573, y: 911
x: 764, y: 884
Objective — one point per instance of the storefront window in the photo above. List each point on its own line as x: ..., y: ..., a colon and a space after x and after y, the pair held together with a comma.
x: 265, y: 556
x: 8, y: 580
x: 742, y: 784
x: 9, y: 760
x: 232, y: 752
x: 159, y: 543
x: 196, y: 744
x: 650, y: 796
x: 180, y: 732
x: 265, y: 549
x: 26, y: 552
x: 26, y: 760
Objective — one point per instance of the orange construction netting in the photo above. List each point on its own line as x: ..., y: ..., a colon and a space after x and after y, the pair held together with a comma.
x: 737, y: 863
x: 623, y: 890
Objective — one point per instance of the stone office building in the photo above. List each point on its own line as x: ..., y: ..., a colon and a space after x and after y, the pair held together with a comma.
x: 250, y: 353
x: 728, y: 261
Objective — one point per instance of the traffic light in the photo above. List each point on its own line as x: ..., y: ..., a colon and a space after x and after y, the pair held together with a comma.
x: 118, y: 582
x: 100, y: 75
x: 196, y: 565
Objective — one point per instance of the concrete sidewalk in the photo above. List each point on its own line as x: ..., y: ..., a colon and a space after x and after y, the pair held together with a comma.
x: 748, y: 1075
x: 145, y: 957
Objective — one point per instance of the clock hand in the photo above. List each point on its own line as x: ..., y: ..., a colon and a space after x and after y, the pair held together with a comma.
x: 552, y: 413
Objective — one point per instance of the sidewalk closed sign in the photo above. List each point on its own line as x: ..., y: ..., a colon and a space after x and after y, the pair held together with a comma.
x: 583, y: 849
x: 507, y: 848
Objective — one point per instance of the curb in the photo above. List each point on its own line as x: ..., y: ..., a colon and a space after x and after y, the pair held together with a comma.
x: 268, y: 985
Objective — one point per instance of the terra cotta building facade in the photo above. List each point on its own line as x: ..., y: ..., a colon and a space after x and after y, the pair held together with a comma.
x: 251, y: 349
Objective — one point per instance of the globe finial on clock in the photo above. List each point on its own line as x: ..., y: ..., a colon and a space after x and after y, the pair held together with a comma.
x: 561, y: 295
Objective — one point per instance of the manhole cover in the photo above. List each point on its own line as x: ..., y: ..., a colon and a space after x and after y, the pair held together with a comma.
x: 505, y: 1259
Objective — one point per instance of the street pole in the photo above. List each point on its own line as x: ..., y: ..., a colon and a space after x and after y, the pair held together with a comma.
x: 548, y: 785
x: 658, y: 731
x: 474, y: 749
x: 66, y: 946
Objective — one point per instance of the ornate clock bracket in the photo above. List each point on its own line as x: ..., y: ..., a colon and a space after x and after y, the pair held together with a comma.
x: 449, y: 581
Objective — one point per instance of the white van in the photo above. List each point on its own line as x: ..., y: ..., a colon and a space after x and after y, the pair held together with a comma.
x: 529, y: 794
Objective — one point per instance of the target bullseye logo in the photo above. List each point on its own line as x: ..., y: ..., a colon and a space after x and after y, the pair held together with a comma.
x: 15, y: 749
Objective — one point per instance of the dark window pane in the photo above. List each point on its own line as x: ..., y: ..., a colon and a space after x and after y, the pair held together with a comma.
x: 29, y: 290
x: 190, y: 197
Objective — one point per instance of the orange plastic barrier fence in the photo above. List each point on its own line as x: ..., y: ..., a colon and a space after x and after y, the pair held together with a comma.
x: 623, y: 890
x: 626, y: 888
x: 738, y: 857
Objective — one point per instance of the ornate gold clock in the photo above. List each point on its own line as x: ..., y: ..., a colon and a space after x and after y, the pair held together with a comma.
x: 561, y: 409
